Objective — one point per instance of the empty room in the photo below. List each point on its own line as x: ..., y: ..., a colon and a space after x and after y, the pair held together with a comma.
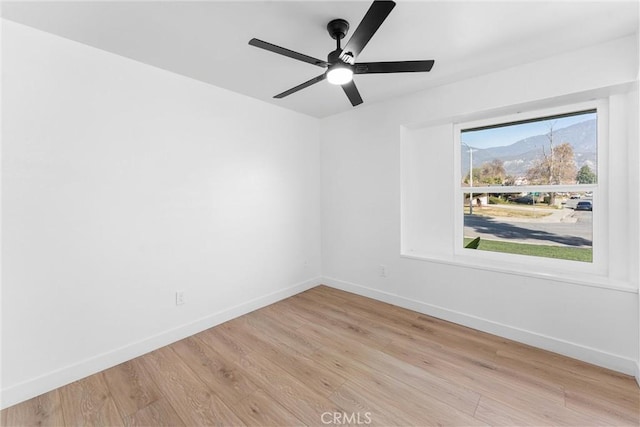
x: 283, y: 213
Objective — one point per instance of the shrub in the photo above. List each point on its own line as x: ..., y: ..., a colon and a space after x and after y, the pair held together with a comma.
x: 495, y: 200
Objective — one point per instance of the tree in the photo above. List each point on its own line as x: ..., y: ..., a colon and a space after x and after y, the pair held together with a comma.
x: 476, y: 177
x: 558, y: 166
x: 492, y: 172
x: 585, y: 175
x: 509, y: 180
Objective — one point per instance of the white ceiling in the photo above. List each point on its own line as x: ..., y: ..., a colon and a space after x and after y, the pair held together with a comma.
x: 207, y: 40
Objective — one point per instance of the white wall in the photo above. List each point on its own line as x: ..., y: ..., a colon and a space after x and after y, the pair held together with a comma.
x: 122, y: 183
x: 634, y: 165
x: 362, y: 194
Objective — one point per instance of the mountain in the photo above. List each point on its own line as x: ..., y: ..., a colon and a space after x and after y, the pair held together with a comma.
x: 520, y: 156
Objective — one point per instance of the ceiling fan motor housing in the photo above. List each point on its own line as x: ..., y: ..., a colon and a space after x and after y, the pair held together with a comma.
x: 338, y: 28
x: 334, y: 57
x: 339, y: 56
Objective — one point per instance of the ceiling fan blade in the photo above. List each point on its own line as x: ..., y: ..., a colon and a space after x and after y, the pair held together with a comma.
x: 393, y: 67
x: 374, y: 17
x: 287, y: 52
x: 352, y: 93
x: 301, y: 86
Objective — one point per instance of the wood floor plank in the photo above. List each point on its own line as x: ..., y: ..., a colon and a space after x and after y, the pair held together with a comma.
x: 416, y: 406
x: 194, y: 402
x: 460, y: 331
x: 43, y: 410
x: 338, y: 317
x: 343, y: 296
x: 416, y: 329
x: 328, y: 355
x: 412, y: 407
x: 356, y: 404
x: 367, y: 315
x: 322, y: 381
x: 157, y: 414
x: 567, y: 366
x: 499, y: 414
x: 223, y: 344
x: 494, y: 411
x: 89, y: 402
x: 335, y: 320
x: 388, y: 313
x: 260, y: 409
x: 406, y: 321
x: 285, y: 334
x: 366, y: 370
x: 610, y: 411
x: 447, y: 365
x: 288, y: 391
x: 520, y: 394
x: 366, y: 360
x: 384, y: 332
x: 131, y: 387
x: 287, y: 318
x: 230, y: 383
x: 621, y: 396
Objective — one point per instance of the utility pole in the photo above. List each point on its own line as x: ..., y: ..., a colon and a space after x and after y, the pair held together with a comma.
x: 470, y: 177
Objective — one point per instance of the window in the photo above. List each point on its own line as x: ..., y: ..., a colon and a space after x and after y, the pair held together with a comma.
x: 529, y: 186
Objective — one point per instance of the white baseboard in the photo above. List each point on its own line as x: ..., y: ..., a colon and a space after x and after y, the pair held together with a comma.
x: 638, y: 373
x: 34, y: 387
x: 556, y: 345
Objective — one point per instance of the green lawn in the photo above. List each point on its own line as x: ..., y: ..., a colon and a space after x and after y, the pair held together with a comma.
x: 560, y: 252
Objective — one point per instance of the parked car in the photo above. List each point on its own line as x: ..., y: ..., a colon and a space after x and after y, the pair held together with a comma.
x: 527, y: 200
x: 584, y: 205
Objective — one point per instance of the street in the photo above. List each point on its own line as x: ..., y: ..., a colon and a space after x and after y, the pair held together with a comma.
x: 577, y: 234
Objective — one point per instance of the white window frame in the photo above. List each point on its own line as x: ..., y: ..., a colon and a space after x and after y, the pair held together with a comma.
x: 599, y: 264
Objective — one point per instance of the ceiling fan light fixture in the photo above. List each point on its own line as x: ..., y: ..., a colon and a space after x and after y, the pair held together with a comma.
x: 340, y: 74
x: 341, y: 63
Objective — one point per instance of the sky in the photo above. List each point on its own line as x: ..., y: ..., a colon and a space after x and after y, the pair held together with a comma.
x: 507, y: 135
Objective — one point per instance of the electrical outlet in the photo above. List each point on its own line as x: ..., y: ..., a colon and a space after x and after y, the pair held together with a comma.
x: 179, y: 297
x: 383, y: 271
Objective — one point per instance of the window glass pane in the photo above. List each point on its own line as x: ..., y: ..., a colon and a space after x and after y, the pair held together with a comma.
x: 525, y: 224
x: 546, y: 151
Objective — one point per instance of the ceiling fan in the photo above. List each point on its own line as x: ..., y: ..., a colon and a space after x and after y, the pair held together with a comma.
x: 340, y: 63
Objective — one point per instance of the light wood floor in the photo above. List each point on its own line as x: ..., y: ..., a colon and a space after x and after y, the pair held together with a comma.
x: 326, y: 357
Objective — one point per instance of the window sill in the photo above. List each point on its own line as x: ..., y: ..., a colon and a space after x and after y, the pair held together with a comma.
x: 577, y: 279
